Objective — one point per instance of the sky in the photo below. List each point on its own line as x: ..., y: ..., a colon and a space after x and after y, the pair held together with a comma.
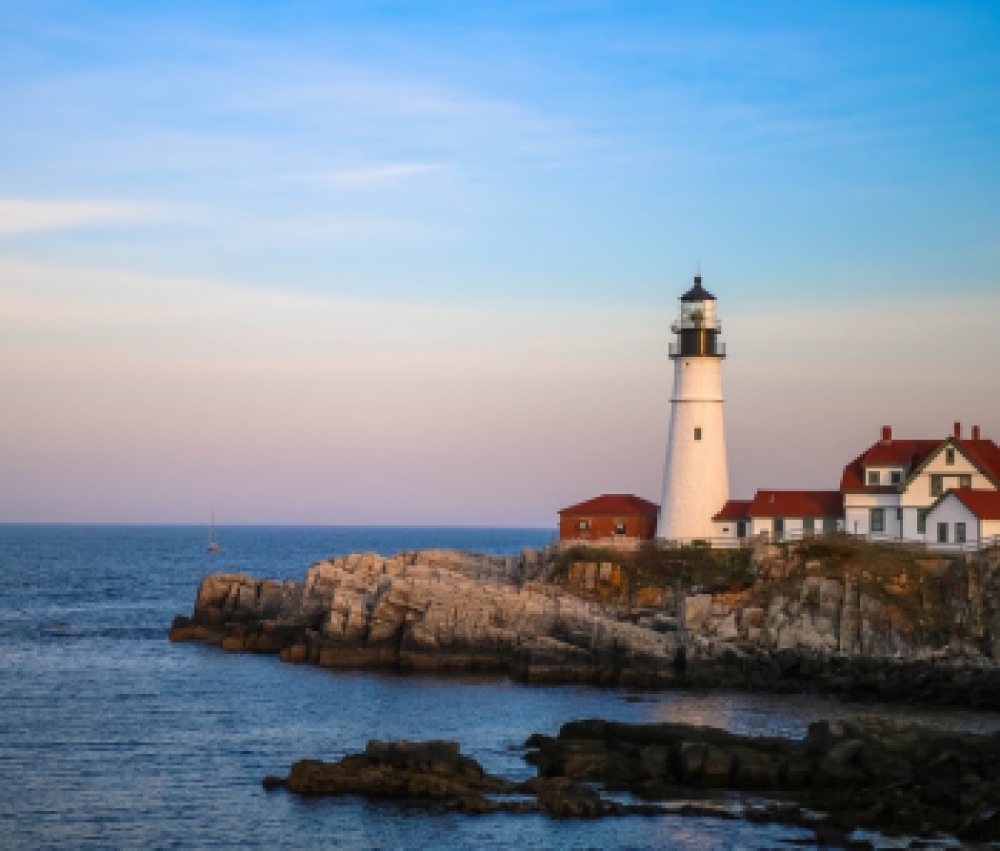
x: 415, y: 263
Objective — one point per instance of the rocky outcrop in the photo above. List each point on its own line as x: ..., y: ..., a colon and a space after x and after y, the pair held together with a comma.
x: 435, y: 773
x: 862, y: 621
x: 898, y: 630
x: 434, y: 611
x: 432, y: 771
x: 843, y: 775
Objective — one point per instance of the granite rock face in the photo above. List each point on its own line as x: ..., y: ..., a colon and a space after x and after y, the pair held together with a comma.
x: 908, y: 631
x: 434, y: 611
x: 865, y: 622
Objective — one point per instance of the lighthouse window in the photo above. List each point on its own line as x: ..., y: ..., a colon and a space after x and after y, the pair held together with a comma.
x: 697, y: 433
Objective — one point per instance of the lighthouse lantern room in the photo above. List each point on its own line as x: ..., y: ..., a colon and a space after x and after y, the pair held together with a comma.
x: 695, y: 475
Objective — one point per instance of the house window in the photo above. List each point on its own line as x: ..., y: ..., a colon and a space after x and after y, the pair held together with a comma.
x: 877, y: 523
x: 896, y: 476
x: 619, y: 527
x: 808, y: 525
x: 942, y: 533
x: 937, y: 487
x: 949, y: 456
x: 779, y: 527
x: 899, y: 516
x: 965, y: 481
x: 873, y: 477
x: 829, y: 525
x: 922, y: 520
x: 959, y: 533
x: 584, y: 525
x: 697, y: 433
x: 741, y: 529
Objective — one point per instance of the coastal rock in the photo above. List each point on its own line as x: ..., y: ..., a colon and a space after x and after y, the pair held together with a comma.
x: 430, y: 611
x: 875, y: 775
x: 433, y: 771
x: 861, y: 622
x: 870, y: 774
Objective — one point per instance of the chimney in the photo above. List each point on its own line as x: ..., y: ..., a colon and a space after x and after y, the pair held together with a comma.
x: 975, y: 432
x: 958, y: 430
x: 886, y: 434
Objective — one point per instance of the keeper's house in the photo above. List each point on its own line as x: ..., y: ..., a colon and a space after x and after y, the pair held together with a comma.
x: 942, y: 493
x: 892, y: 487
x: 613, y: 519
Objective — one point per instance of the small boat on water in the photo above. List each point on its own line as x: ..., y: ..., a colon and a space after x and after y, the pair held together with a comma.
x: 213, y: 545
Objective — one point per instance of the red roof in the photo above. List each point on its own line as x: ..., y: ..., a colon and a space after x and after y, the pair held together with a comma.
x: 985, y: 454
x: 734, y: 509
x: 983, y: 503
x: 910, y: 454
x: 886, y: 453
x: 797, y: 504
x: 613, y: 503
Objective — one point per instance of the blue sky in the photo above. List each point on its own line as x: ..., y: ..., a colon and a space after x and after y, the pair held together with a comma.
x: 486, y: 210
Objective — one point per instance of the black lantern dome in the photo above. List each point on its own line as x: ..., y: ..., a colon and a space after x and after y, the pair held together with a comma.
x: 698, y: 329
x: 697, y: 292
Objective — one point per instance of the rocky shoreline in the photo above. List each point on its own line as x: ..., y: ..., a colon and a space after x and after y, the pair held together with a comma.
x: 893, y: 779
x: 444, y: 612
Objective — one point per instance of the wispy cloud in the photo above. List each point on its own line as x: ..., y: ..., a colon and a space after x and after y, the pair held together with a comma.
x: 26, y: 216
x: 376, y: 175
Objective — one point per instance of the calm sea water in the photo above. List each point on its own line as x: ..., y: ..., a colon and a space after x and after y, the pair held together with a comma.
x: 110, y: 736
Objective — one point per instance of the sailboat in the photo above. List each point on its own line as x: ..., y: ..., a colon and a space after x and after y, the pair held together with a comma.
x: 213, y: 545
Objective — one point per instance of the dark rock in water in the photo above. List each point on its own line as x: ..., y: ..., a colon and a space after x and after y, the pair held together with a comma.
x: 895, y: 779
x: 433, y: 769
x: 437, y: 774
x: 564, y: 798
x: 841, y: 776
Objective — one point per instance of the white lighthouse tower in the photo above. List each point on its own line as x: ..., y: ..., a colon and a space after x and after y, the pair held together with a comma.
x: 695, y: 476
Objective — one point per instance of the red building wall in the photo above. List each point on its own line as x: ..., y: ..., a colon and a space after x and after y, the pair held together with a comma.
x: 637, y: 525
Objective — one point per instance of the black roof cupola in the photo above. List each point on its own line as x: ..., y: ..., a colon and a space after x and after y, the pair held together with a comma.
x: 697, y: 292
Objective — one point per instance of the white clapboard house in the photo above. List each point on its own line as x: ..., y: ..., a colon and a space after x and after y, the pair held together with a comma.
x: 942, y: 493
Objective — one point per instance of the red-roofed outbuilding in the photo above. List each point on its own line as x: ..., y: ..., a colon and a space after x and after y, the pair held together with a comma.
x: 609, y: 517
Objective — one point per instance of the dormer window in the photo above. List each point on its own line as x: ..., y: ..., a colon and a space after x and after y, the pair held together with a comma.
x: 949, y: 456
x: 896, y: 476
x: 873, y: 478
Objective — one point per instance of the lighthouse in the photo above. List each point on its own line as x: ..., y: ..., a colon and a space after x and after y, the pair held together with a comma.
x: 695, y: 476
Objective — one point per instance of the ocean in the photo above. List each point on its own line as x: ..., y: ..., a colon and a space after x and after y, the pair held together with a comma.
x: 112, y: 737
